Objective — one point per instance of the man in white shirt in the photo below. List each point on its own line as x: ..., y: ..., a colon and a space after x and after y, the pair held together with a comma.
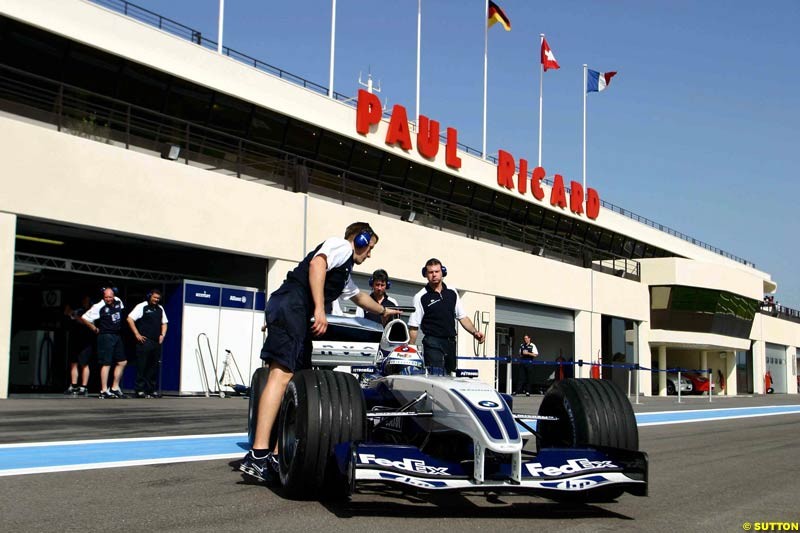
x: 308, y: 292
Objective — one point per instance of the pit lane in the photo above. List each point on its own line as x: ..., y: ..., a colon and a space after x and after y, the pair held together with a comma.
x: 711, y: 475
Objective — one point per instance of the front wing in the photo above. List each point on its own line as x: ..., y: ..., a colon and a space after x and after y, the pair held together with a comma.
x: 576, y: 471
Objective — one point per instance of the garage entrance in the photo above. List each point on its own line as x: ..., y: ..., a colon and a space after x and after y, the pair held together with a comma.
x: 57, y: 267
x: 551, y: 329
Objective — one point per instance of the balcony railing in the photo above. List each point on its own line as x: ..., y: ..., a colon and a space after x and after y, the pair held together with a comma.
x: 110, y: 121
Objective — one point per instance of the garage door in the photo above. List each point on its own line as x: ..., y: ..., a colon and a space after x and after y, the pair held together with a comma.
x: 776, y: 364
x: 534, y: 315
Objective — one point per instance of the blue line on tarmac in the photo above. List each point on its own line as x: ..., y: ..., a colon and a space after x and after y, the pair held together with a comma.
x: 62, y: 456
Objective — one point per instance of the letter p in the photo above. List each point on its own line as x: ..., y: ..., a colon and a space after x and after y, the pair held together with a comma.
x: 368, y: 111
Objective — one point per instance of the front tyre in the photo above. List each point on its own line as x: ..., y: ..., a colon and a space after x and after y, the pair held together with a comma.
x: 320, y: 410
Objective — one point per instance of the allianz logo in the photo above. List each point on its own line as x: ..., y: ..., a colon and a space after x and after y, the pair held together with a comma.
x: 572, y: 466
x: 409, y: 465
x: 240, y: 299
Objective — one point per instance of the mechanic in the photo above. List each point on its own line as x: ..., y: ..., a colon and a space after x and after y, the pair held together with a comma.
x: 81, y: 347
x: 105, y: 319
x: 308, y: 292
x: 525, y: 370
x: 380, y: 283
x: 148, y: 321
x: 436, y: 308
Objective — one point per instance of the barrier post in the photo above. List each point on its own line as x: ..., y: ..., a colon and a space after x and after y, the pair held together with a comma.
x: 580, y: 368
x: 636, y: 368
x: 629, y: 382
x: 508, y: 377
x: 710, y: 383
x: 678, y: 385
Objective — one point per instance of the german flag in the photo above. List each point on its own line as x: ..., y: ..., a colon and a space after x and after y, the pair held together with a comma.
x: 498, y: 15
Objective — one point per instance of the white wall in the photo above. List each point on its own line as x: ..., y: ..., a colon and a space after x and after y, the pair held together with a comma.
x: 8, y: 230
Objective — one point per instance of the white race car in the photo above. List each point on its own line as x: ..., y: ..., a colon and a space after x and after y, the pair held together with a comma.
x: 404, y: 427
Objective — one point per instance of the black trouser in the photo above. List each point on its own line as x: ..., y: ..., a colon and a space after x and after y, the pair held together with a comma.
x: 440, y: 352
x: 523, y: 377
x: 148, y: 356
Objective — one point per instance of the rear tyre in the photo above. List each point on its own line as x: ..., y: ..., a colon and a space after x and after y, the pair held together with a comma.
x: 320, y: 410
x: 591, y: 412
x: 671, y: 388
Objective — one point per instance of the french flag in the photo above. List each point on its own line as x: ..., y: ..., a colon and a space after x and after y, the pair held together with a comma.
x: 598, y: 81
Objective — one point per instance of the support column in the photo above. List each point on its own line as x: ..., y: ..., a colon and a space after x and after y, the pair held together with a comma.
x: 8, y: 231
x: 662, y: 376
x: 759, y: 363
x: 478, y: 307
x: 587, y: 347
x: 643, y: 357
x: 730, y: 374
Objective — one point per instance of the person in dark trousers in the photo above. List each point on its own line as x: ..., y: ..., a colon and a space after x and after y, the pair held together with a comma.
x: 105, y: 319
x: 308, y: 292
x: 148, y: 321
x: 525, y: 370
x: 80, y: 349
x: 436, y: 309
x: 380, y: 283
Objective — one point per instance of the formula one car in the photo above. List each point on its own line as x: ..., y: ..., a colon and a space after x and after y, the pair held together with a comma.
x: 404, y: 426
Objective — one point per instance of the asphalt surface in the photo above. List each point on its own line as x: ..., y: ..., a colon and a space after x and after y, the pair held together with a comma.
x: 708, y: 476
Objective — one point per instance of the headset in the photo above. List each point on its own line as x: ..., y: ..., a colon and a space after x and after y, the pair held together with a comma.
x: 379, y: 272
x: 425, y: 268
x: 113, y: 289
x: 363, y: 239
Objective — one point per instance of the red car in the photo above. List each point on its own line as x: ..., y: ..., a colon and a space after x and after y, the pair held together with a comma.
x: 699, y: 383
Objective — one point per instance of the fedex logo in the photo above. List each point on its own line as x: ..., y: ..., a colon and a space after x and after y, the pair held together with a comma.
x: 410, y: 465
x: 572, y: 466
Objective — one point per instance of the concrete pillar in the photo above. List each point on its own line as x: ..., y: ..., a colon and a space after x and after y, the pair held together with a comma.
x: 662, y: 376
x: 704, y: 360
x: 759, y: 363
x: 483, y: 305
x: 583, y: 342
x: 8, y: 231
x: 643, y: 357
x: 730, y: 374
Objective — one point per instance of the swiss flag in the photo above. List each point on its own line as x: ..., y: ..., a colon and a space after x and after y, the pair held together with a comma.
x: 548, y: 59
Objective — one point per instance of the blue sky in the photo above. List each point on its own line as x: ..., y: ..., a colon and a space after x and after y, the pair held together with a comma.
x: 697, y: 131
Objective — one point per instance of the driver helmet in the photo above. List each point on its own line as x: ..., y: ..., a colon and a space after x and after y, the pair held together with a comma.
x: 403, y: 360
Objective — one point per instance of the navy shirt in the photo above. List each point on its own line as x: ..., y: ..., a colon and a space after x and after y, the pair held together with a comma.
x: 107, y: 318
x: 335, y: 279
x: 435, y: 313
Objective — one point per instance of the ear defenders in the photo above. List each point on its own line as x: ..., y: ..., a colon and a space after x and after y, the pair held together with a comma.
x: 388, y: 281
x: 425, y: 271
x: 363, y: 238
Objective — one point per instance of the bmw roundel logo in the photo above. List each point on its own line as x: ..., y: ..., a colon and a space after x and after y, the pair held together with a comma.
x: 488, y: 404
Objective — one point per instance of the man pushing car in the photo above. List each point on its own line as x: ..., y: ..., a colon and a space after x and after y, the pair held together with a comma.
x: 307, y: 292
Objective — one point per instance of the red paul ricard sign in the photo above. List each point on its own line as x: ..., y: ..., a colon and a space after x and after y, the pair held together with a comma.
x: 369, y: 113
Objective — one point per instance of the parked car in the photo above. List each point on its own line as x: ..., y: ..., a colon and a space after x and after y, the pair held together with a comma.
x: 672, y: 380
x: 699, y: 383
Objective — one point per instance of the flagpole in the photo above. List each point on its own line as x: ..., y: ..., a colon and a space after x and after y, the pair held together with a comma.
x: 585, y: 66
x: 333, y: 44
x: 419, y: 40
x: 219, y: 26
x: 485, y: 70
x: 541, y: 84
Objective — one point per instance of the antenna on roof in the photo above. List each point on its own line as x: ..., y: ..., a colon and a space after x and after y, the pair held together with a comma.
x: 368, y: 84
x: 371, y: 87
